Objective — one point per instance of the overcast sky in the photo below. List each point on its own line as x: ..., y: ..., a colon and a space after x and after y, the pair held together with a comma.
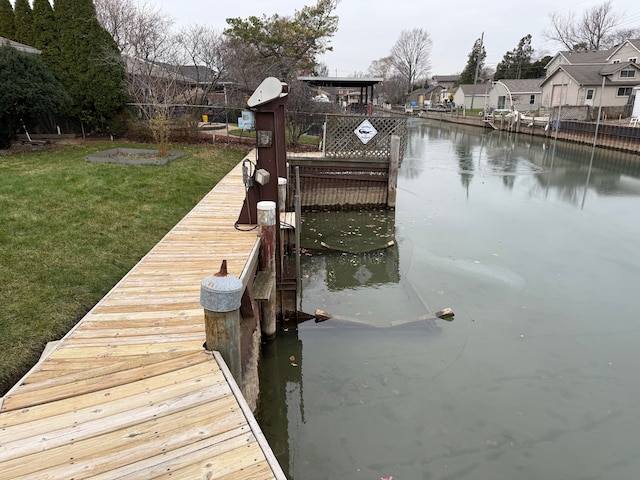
x: 368, y: 28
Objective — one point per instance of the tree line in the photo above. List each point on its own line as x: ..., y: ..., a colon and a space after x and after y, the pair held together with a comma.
x: 107, y: 54
x: 98, y: 56
x: 407, y: 66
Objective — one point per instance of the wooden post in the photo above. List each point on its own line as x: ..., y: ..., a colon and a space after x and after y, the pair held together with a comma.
x: 394, y: 165
x: 267, y: 222
x: 221, y: 295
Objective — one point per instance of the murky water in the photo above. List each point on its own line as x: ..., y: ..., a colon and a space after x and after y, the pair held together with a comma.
x: 537, y: 376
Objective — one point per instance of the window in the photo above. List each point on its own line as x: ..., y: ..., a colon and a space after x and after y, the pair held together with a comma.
x: 532, y: 100
x: 633, y: 59
x: 590, y: 94
x: 617, y: 60
x: 627, y: 73
x: 624, y: 91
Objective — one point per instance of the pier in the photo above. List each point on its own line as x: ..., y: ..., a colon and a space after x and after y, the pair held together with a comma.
x: 130, y: 391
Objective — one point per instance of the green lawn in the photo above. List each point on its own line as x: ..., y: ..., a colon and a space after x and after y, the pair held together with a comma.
x: 70, y: 230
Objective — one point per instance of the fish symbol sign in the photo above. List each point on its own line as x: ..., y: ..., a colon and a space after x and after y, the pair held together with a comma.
x: 365, y: 131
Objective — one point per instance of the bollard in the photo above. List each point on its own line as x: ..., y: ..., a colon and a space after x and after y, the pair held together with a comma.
x: 220, y: 296
x: 282, y: 194
x: 267, y: 223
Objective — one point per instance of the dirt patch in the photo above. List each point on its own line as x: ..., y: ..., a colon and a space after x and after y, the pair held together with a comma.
x: 132, y: 156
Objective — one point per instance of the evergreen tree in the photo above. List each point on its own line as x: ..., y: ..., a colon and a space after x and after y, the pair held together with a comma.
x: 475, y: 63
x: 516, y: 64
x: 29, y: 90
x: 24, y: 22
x: 7, y: 20
x: 44, y: 26
x: 90, y: 69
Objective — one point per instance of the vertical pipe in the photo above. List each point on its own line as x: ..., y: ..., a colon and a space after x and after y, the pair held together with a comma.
x: 282, y: 204
x: 394, y: 164
x: 298, y: 213
x: 267, y: 222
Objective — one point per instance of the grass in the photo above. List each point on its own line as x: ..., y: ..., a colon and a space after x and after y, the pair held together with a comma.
x: 70, y: 230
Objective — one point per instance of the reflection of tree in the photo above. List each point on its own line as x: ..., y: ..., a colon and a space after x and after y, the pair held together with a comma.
x: 464, y: 152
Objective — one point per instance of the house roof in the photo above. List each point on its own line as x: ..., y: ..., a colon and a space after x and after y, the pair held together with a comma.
x: 198, y: 74
x: 582, y: 74
x: 446, y: 78
x: 341, y: 81
x: 591, y: 75
x: 19, y: 46
x: 523, y: 85
x: 633, y: 43
x: 612, y: 68
x: 430, y: 89
x: 476, y: 90
x: 585, y: 58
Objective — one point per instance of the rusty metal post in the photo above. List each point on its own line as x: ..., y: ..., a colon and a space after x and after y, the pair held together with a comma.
x: 267, y: 222
x: 394, y: 165
x: 220, y: 296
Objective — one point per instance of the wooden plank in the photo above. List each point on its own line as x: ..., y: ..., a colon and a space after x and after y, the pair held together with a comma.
x: 112, y: 416
x: 206, y: 451
x: 262, y: 285
x: 129, y: 390
x: 124, y: 446
x: 67, y: 397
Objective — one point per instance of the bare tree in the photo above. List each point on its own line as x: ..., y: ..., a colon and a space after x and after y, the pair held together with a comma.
x: 597, y: 28
x: 201, y: 51
x: 383, y: 67
x: 144, y: 38
x: 411, y: 55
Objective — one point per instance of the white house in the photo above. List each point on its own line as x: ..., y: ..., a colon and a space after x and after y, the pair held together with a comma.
x: 467, y: 94
x: 520, y: 95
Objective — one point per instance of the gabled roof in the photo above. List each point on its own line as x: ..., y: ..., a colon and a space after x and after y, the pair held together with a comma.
x: 477, y: 90
x: 19, y: 46
x: 198, y: 74
x: 523, y: 85
x: 633, y: 43
x: 612, y: 68
x: 581, y: 74
x: 591, y: 75
x: 430, y: 89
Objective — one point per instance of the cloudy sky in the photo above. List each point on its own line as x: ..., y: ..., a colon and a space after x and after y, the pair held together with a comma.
x: 368, y: 28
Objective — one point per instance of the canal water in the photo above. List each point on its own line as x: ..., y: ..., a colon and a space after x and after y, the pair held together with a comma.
x: 537, y: 375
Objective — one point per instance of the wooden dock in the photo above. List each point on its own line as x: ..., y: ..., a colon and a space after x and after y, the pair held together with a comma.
x: 130, y: 392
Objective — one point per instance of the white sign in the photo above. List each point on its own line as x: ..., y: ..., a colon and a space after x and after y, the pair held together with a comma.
x: 365, y: 131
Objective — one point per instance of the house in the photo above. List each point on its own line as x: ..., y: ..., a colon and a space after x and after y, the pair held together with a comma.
x: 585, y: 80
x: 523, y: 95
x: 425, y: 97
x: 472, y: 96
x: 447, y: 82
x: 19, y: 46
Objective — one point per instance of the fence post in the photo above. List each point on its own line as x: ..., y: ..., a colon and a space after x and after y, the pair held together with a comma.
x: 220, y: 296
x: 267, y: 222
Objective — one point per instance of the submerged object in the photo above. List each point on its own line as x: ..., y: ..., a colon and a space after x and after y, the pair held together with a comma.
x: 445, y: 314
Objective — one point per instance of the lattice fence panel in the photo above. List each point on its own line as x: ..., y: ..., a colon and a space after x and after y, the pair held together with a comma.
x: 341, y: 140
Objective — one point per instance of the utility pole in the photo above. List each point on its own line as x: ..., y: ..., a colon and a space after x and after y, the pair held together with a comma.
x: 475, y: 78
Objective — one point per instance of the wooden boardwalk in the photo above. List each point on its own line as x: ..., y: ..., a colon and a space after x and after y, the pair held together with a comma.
x: 130, y: 391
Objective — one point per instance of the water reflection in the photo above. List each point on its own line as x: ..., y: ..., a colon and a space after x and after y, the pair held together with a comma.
x: 536, y: 377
